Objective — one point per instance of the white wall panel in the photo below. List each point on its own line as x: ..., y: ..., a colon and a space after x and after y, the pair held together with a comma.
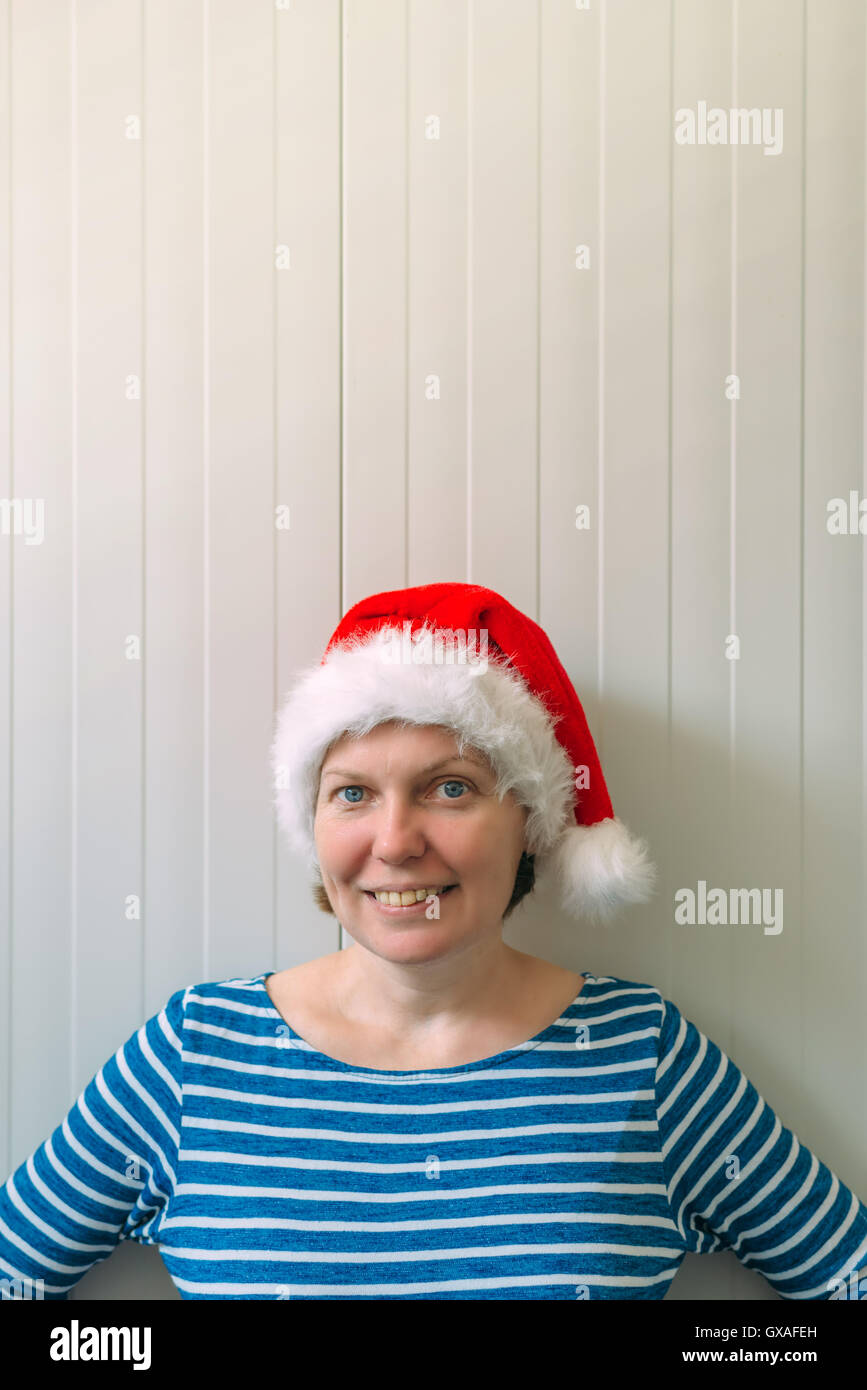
x: 502, y: 463
x: 439, y: 96
x: 6, y: 609
x: 702, y: 430
x: 6, y: 635
x: 109, y: 911
x: 308, y: 384
x: 764, y: 1027
x: 239, y: 502
x: 569, y: 261
x: 40, y: 894
x: 375, y: 136
x: 175, y: 178
x: 830, y: 1074
x: 637, y: 154
x: 702, y: 425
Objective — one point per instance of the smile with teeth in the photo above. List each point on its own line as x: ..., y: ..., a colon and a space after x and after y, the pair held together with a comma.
x: 410, y: 897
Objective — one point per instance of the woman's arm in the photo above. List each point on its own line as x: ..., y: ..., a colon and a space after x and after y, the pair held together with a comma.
x: 106, y: 1173
x: 739, y: 1180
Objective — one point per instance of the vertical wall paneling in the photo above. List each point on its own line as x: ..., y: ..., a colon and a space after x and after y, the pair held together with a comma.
x: 767, y: 999
x: 701, y: 444
x: 308, y: 383
x: 570, y: 260
x: 703, y: 426
x: 832, y: 968
x: 6, y: 564
x: 41, y: 198
x: 307, y: 299
x: 374, y: 297
x: 863, y: 405
x: 503, y: 362
x: 570, y: 256
x: 438, y: 238
x: 109, y: 901
x: 239, y: 461
x: 633, y: 726
x: 174, y: 177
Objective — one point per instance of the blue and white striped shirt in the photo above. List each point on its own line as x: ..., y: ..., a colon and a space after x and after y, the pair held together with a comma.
x: 582, y: 1164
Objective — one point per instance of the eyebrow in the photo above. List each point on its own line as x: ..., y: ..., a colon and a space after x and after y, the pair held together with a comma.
x: 431, y: 767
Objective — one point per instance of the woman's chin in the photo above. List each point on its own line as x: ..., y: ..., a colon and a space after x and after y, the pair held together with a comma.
x: 417, y: 941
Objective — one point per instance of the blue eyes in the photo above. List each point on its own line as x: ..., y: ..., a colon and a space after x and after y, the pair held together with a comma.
x: 450, y: 782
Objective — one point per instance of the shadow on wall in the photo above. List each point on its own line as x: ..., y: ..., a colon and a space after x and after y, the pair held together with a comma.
x: 136, y: 1272
x: 130, y: 1272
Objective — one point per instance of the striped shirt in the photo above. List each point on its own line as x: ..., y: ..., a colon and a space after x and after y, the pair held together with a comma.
x: 583, y: 1163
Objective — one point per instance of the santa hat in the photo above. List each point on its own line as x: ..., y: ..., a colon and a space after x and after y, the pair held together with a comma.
x: 461, y: 656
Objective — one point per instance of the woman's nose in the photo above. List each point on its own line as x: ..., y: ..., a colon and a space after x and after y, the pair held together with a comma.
x: 397, y: 828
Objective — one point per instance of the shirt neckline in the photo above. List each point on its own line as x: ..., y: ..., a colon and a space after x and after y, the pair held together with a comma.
x: 508, y: 1054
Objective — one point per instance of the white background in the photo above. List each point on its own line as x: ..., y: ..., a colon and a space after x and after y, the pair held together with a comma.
x: 167, y: 382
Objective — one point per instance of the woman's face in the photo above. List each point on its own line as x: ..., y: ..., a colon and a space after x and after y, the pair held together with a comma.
x: 385, y: 818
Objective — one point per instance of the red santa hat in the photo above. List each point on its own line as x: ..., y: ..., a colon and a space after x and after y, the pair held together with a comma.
x: 462, y: 657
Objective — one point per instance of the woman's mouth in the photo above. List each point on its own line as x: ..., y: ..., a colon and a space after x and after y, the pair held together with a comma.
x: 409, y: 909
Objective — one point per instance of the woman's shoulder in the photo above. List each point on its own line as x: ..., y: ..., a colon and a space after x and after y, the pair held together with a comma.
x: 206, y: 999
x: 618, y: 989
x: 296, y: 990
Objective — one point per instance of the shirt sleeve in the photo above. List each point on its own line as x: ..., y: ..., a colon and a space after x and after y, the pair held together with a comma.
x: 739, y: 1180
x: 107, y: 1171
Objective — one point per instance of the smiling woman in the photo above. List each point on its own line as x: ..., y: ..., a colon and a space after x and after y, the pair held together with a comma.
x: 413, y: 789
x: 430, y: 1113
x: 524, y: 877
x: 419, y: 858
x: 473, y: 763
x: 518, y: 713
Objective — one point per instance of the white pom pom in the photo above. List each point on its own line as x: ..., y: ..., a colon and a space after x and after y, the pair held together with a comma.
x: 601, y: 868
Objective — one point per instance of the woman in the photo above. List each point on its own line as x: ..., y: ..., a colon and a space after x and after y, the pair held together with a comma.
x: 430, y: 1113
